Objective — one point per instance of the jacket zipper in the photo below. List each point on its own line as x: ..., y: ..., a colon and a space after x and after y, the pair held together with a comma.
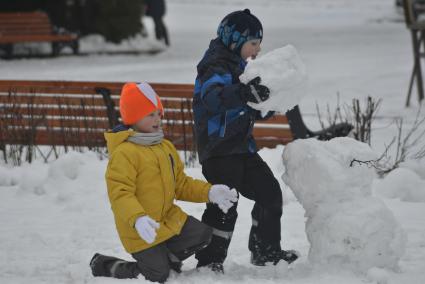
x: 172, y: 167
x: 163, y: 205
x: 225, y: 124
x: 251, y: 122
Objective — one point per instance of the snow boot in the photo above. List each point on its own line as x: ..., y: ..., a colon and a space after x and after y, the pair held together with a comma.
x: 102, y: 265
x: 259, y: 258
x: 216, y: 267
x: 263, y: 253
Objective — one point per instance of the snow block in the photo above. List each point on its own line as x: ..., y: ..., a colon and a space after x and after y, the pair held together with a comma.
x: 284, y: 73
x: 345, y: 224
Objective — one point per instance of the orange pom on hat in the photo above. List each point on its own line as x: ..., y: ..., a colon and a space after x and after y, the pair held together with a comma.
x: 137, y: 101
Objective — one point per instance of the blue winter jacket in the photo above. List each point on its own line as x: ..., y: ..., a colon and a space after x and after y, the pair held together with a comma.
x: 223, y: 120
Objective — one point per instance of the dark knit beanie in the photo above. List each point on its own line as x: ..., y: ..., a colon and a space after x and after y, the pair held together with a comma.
x: 239, y: 27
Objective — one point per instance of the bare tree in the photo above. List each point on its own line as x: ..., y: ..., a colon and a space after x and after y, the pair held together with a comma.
x: 362, y: 118
x: 406, y: 147
x: 332, y: 117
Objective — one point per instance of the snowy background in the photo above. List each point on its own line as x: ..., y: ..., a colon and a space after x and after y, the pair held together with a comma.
x: 53, y: 217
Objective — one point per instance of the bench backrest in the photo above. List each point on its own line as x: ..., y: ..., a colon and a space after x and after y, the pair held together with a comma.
x: 77, y: 113
x: 25, y: 23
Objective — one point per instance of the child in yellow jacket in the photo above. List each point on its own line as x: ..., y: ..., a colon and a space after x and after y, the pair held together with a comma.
x: 144, y: 176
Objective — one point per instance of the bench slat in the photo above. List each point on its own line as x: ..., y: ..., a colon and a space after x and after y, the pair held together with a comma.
x: 169, y: 114
x: 57, y: 138
x: 28, y: 90
x: 29, y: 27
x: 36, y: 38
x: 22, y: 14
x: 100, y: 125
x: 46, y: 30
x: 97, y: 140
x: 20, y: 22
x: 103, y: 125
x: 20, y: 110
x: 87, y: 139
x: 77, y: 101
x: 16, y: 28
x: 89, y: 84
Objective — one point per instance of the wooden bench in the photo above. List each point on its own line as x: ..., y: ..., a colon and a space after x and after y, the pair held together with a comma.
x: 33, y: 27
x: 76, y: 114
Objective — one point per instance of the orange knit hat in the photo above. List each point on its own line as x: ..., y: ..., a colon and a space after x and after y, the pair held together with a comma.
x: 137, y: 101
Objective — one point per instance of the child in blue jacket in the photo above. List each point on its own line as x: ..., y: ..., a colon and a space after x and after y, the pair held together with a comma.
x: 227, y: 150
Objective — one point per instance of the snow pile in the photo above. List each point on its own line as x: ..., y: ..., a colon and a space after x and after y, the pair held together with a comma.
x: 416, y: 165
x: 7, y: 176
x: 378, y: 275
x: 96, y: 43
x: 284, y: 73
x: 57, y: 180
x: 345, y: 224
x: 402, y: 183
x: 33, y: 178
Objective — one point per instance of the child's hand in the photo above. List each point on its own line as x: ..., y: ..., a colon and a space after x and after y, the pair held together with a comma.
x: 257, y: 93
x: 222, y: 196
x: 146, y: 227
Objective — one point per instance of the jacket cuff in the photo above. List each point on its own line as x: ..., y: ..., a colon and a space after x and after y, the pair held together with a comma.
x: 133, y: 219
x: 207, y: 193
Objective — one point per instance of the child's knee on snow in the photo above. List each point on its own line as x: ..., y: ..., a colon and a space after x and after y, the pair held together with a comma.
x: 158, y: 274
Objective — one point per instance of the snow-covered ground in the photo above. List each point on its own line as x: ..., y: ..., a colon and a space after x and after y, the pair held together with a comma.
x: 53, y: 217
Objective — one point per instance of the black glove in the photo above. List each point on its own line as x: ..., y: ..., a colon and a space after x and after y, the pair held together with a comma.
x: 255, y: 92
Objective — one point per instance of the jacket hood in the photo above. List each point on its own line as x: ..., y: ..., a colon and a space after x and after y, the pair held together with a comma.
x: 114, y: 139
x: 218, y: 53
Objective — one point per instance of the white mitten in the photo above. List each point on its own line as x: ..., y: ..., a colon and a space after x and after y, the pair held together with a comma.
x: 146, y: 227
x: 221, y: 195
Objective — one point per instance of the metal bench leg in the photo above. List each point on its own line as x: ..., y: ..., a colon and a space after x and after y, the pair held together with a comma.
x: 412, y: 80
x: 8, y: 50
x: 56, y: 48
x: 417, y: 57
x: 75, y: 45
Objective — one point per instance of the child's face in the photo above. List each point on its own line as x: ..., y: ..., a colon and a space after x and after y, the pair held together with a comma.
x: 251, y: 49
x: 150, y: 123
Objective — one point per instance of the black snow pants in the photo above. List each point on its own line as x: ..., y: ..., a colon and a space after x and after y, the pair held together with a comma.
x: 253, y: 179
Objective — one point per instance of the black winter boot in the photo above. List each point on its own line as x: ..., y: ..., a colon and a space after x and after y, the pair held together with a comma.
x: 216, y: 267
x: 107, y: 266
x: 262, y: 253
x: 273, y: 256
x: 100, y: 265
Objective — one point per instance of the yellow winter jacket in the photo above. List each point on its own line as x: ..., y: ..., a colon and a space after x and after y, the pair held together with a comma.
x: 145, y: 180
